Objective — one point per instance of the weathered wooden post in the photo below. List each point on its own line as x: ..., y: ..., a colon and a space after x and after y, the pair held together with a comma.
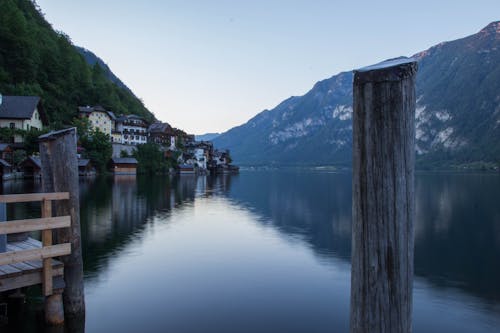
x: 383, y: 197
x: 60, y: 174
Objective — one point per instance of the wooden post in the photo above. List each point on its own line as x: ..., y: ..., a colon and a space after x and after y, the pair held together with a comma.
x: 3, y: 217
x: 383, y: 197
x: 47, y: 241
x: 60, y: 174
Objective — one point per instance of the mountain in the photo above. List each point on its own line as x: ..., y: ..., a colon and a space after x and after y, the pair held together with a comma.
x: 36, y: 60
x: 457, y: 115
x: 92, y: 59
x: 206, y: 137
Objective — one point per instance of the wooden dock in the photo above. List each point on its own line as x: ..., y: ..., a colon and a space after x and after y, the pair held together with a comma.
x: 27, y: 273
x: 29, y: 262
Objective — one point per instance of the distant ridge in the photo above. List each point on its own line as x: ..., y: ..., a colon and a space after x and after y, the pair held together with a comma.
x: 457, y: 121
x: 206, y: 137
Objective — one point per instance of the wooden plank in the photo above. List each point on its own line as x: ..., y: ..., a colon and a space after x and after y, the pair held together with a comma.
x: 34, y: 242
x: 28, y: 225
x: 47, y: 241
x: 25, y: 280
x: 28, y: 197
x: 9, y: 270
x: 35, y: 265
x: 24, y: 245
x: 42, y: 253
x: 14, y: 247
x: 24, y: 267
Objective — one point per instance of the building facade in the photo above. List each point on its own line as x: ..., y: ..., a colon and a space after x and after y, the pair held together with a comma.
x: 21, y: 112
x: 133, y: 128
x: 99, y: 118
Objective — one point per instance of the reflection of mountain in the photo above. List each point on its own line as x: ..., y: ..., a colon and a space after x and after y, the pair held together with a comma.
x: 457, y: 230
x: 115, y: 210
x: 457, y: 236
x: 313, y: 206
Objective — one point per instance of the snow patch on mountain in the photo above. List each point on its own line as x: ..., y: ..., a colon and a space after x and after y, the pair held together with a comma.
x: 342, y: 112
x: 443, y: 115
x: 296, y: 130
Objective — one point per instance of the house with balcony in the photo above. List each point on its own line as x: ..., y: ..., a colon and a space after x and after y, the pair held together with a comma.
x: 162, y: 134
x: 134, y: 129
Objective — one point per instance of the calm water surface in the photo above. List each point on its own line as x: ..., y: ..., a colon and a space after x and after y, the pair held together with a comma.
x: 269, y: 251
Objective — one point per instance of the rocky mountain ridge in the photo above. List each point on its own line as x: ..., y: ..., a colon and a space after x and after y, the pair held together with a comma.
x: 457, y: 116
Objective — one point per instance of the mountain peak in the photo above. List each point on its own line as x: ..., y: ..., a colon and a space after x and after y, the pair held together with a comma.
x: 491, y: 29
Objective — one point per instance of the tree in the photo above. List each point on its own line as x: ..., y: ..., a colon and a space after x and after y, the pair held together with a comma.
x: 82, y: 126
x: 36, y: 60
x: 31, y: 140
x: 18, y: 156
x: 97, y: 147
x: 150, y: 159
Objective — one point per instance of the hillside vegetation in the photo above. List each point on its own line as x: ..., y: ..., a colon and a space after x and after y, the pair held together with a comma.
x: 36, y: 60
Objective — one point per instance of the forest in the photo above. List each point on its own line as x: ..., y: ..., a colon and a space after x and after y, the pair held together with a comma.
x: 37, y: 60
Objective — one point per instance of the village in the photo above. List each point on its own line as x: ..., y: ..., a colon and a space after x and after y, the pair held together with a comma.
x: 21, y: 116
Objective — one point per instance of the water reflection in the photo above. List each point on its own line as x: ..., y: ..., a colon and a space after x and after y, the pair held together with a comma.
x: 457, y: 236
x: 457, y: 230
x: 114, y: 210
x: 457, y: 226
x: 312, y: 206
x: 270, y: 251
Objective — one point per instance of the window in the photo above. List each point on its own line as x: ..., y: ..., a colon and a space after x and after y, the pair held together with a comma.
x: 12, y: 125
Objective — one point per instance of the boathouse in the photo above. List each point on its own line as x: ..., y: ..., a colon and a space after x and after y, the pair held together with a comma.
x: 124, y: 166
x: 85, y: 167
x: 31, y: 167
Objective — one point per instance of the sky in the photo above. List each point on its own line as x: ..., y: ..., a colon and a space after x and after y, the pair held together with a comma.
x: 207, y: 66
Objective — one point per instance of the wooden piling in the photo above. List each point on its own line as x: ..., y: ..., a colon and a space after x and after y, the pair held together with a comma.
x: 383, y: 197
x: 54, y: 309
x: 60, y: 174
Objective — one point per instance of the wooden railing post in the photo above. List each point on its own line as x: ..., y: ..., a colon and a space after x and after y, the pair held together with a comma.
x: 383, y: 197
x: 47, y: 241
x: 60, y: 174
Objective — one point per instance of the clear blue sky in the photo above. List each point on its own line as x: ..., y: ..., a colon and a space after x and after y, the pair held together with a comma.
x: 207, y: 66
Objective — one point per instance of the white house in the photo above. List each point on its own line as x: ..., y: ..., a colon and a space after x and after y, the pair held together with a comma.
x: 98, y: 118
x: 133, y: 128
x: 21, y: 112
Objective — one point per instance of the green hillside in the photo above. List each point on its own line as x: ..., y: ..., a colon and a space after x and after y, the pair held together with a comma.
x: 36, y: 60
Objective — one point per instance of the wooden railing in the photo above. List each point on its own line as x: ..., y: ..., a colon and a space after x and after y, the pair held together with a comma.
x: 45, y: 224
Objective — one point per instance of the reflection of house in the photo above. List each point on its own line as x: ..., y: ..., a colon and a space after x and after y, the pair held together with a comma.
x: 186, y: 169
x: 85, y: 167
x: 5, y: 170
x: 31, y: 167
x: 124, y: 165
x: 21, y: 112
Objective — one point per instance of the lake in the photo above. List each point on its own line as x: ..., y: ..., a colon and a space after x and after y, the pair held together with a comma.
x: 269, y: 251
